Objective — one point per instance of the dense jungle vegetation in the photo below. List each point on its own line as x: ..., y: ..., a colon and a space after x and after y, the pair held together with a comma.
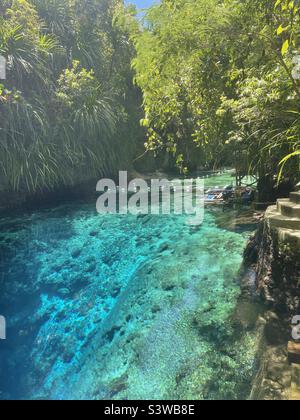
x: 68, y: 108
x: 221, y: 84
x: 217, y: 82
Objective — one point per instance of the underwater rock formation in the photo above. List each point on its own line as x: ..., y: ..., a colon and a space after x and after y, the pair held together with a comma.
x: 128, y: 307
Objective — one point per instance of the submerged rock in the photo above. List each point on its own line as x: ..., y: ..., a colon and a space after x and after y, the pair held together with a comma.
x: 123, y: 313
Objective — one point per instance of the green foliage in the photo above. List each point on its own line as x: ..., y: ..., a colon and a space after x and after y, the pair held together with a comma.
x: 218, y: 85
x: 64, y: 103
x: 177, y: 49
x: 217, y: 78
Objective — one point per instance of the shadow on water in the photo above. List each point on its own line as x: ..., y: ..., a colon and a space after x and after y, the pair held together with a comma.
x: 22, y: 238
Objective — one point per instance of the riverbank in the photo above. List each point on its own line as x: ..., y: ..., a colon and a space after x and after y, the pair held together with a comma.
x: 273, y: 253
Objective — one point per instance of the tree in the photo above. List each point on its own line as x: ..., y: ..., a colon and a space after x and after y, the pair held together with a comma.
x: 64, y: 108
x: 217, y: 82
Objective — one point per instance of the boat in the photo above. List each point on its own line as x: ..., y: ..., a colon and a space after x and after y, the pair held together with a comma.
x: 219, y: 195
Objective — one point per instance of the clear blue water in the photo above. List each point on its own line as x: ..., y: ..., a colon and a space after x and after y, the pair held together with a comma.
x: 122, y: 307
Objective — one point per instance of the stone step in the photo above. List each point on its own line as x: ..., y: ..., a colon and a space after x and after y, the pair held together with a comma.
x: 281, y: 202
x: 294, y: 395
x: 278, y: 220
x: 288, y: 208
x: 295, y: 197
x: 295, y: 388
x: 290, y: 235
x: 294, y: 353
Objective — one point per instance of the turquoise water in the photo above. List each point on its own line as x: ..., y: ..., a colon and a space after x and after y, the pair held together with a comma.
x: 122, y: 307
x: 226, y: 178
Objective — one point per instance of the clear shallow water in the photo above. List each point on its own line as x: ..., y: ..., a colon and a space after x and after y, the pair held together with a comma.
x: 122, y: 307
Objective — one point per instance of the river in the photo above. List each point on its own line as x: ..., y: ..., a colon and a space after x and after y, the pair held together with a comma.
x: 123, y: 307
